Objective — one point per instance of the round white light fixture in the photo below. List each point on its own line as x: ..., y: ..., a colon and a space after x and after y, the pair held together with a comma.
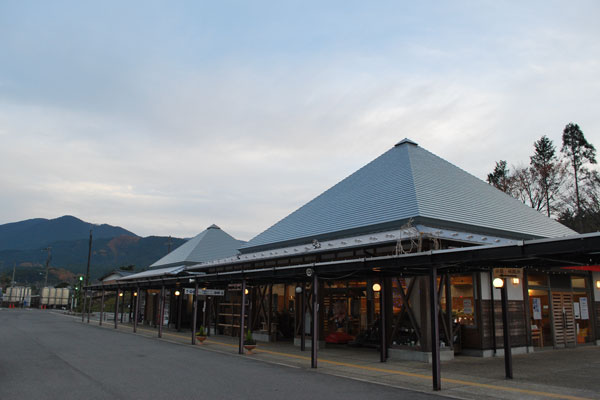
x: 121, y: 294
x: 498, y: 282
x: 177, y: 293
x: 298, y: 289
x: 246, y: 291
x: 309, y: 272
x: 376, y: 287
x: 135, y: 294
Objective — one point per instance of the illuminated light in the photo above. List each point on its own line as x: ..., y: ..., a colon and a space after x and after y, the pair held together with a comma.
x: 598, y: 284
x: 121, y: 294
x: 515, y: 281
x: 498, y: 283
x: 246, y: 291
x: 529, y: 291
x: 177, y: 293
x: 134, y: 294
x: 376, y: 287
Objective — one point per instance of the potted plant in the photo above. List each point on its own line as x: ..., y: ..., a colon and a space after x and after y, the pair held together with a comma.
x: 249, y: 342
x: 201, y: 334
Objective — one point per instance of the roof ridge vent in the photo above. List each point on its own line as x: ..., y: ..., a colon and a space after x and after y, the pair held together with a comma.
x: 213, y: 226
x: 405, y: 141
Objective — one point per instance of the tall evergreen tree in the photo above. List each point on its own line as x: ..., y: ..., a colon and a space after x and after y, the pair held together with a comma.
x: 500, y: 177
x: 547, y: 168
x: 578, y: 151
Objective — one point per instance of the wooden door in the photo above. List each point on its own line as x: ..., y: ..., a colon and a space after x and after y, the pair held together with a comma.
x: 564, y: 321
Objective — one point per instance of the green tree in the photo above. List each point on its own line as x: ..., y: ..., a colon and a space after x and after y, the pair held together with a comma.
x: 579, y: 152
x: 500, y: 177
x: 547, y: 169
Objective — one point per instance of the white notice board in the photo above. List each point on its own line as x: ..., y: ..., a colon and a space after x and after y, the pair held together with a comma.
x: 537, y: 307
x: 583, y: 305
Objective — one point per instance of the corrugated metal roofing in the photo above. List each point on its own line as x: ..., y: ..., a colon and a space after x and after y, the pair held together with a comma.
x: 407, y: 182
x: 210, y: 244
x: 155, y: 272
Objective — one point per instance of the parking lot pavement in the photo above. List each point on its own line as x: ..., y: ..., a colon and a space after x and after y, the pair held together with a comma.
x: 46, y: 355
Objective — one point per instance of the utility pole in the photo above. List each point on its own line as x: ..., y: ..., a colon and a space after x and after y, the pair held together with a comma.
x: 170, y: 242
x: 12, y: 283
x: 49, y: 249
x: 87, y: 274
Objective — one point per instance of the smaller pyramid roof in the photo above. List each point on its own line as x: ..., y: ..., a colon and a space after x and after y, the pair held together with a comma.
x: 211, y: 244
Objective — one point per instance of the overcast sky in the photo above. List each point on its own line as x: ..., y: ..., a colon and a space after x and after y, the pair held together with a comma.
x: 166, y: 117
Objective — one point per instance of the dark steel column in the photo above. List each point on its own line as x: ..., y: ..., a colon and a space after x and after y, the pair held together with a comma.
x: 449, y: 311
x: 161, y: 310
x: 435, y: 331
x: 83, y: 306
x: 270, y: 311
x: 303, y: 318
x: 102, y: 307
x: 506, y: 332
x: 90, y: 306
x: 137, y: 309
x: 382, y: 330
x: 179, y: 301
x: 116, y: 305
x: 315, y: 323
x: 195, y: 314
x: 122, y: 305
x: 242, y: 317
x: 493, y: 313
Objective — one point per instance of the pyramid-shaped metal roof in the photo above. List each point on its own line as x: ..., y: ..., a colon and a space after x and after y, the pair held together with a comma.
x: 408, y: 182
x: 211, y: 244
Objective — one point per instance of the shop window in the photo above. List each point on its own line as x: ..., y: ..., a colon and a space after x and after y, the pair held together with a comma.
x: 581, y: 313
x: 537, y: 279
x: 578, y: 282
x: 539, y: 309
x: 463, y: 299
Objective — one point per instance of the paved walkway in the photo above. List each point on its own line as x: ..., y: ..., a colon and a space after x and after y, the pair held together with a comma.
x: 560, y: 374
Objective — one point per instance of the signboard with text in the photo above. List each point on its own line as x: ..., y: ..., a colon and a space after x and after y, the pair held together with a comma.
x: 508, y: 273
x: 205, y: 292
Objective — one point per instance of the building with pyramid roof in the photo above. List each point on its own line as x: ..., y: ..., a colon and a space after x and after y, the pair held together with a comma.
x: 408, y: 183
x: 406, y: 246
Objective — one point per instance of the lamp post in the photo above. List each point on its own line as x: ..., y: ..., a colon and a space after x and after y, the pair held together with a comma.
x: 500, y: 283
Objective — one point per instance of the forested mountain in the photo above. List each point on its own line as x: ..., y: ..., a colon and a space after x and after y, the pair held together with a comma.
x: 39, y: 232
x: 22, y: 244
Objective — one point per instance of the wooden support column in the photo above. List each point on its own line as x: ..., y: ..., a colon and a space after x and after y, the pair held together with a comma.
x: 136, y: 309
x: 315, y: 322
x: 102, y: 306
x: 435, y: 331
x: 161, y: 310
x: 506, y: 332
x: 242, y: 317
x: 116, y: 306
x: 195, y: 314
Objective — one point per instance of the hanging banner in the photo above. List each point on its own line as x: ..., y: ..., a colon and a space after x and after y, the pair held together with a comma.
x: 583, y: 305
x: 537, y: 307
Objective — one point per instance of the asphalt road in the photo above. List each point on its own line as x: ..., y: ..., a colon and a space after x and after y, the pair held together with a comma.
x: 48, y: 356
